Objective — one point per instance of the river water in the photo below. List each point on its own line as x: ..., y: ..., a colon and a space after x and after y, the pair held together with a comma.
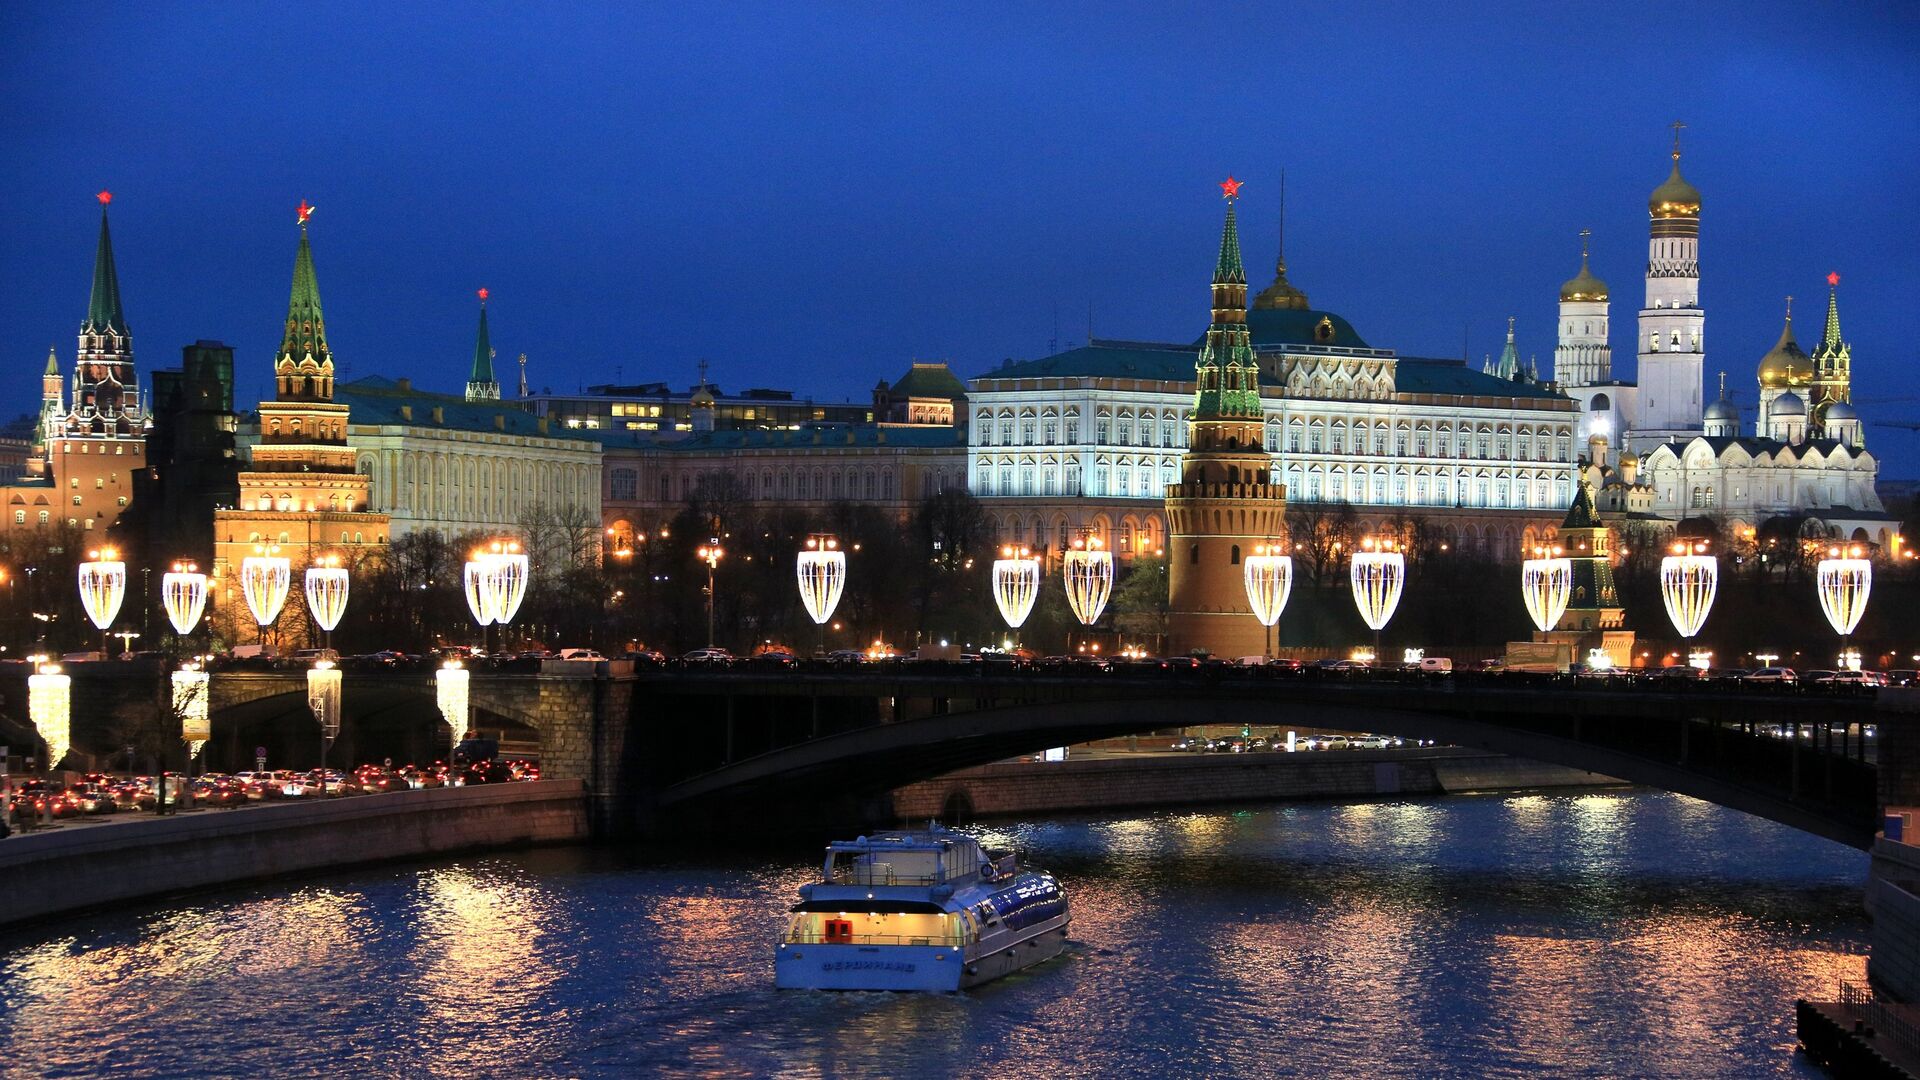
x: 1600, y: 934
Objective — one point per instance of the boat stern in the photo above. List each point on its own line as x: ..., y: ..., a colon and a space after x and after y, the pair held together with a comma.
x: 867, y: 967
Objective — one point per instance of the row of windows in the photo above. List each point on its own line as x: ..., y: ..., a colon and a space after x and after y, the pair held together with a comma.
x: 1459, y: 489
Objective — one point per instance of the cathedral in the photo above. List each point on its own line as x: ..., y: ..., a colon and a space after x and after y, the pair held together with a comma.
x: 1681, y: 455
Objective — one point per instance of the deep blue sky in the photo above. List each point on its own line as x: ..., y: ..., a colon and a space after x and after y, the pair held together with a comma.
x: 812, y: 195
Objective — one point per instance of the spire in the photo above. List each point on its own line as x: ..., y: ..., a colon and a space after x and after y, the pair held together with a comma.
x: 1509, y: 366
x: 103, y: 307
x: 1830, y: 340
x: 1229, y: 270
x: 1226, y: 376
x: 1581, y: 514
x: 480, y: 382
x: 1281, y: 295
x: 53, y: 364
x: 304, y: 367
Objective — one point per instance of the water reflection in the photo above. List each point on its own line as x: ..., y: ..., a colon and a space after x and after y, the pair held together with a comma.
x: 1500, y: 936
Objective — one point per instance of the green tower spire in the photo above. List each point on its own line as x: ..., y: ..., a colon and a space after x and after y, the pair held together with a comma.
x: 1830, y: 340
x: 481, y: 385
x: 1226, y: 376
x: 103, y: 307
x: 53, y: 364
x: 1509, y: 366
x: 306, y: 333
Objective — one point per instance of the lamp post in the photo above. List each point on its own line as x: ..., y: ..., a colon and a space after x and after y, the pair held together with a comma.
x: 1689, y: 579
x: 1378, y: 573
x: 183, y: 595
x: 1269, y: 580
x: 1016, y: 584
x: 1087, y: 567
x: 821, y: 569
x: 1546, y: 583
x: 1845, y: 580
x: 710, y: 553
x: 265, y: 577
x: 103, y: 586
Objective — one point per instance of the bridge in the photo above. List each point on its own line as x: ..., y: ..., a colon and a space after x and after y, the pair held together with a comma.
x: 706, y: 746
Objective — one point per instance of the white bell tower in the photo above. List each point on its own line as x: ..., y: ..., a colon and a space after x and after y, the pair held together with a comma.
x: 1672, y: 346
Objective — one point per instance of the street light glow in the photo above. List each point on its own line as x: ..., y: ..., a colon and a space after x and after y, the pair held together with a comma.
x: 1688, y: 581
x: 183, y: 593
x: 1378, y: 573
x: 50, y: 707
x: 265, y: 577
x: 103, y: 585
x: 1546, y: 582
x: 1088, y: 570
x: 327, y: 584
x: 1016, y: 584
x: 1269, y: 581
x: 821, y: 570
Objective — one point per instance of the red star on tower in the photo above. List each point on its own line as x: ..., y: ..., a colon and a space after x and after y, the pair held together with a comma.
x: 1231, y: 189
x: 304, y: 211
x: 483, y: 294
x: 105, y: 197
x: 1834, y: 278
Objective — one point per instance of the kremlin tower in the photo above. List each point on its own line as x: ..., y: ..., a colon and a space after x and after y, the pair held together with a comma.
x: 1226, y: 503
x: 1672, y: 346
x: 481, y: 385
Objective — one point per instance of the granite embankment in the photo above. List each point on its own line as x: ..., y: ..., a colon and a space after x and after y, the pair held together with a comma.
x: 93, y: 865
x: 1122, y: 781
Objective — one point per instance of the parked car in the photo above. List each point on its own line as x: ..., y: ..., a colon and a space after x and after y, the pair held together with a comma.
x: 1285, y: 663
x: 715, y: 657
x: 1436, y: 664
x: 578, y: 654
x: 1817, y: 675
x: 1772, y: 675
x: 1858, y: 678
x: 1902, y: 677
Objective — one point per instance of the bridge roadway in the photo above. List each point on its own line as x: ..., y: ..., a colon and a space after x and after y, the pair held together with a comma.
x: 784, y: 737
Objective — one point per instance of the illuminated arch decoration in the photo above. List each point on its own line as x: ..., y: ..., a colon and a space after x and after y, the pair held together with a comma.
x: 1689, y: 580
x: 450, y: 692
x: 190, y: 687
x: 265, y: 579
x: 103, y: 586
x: 1844, y: 584
x: 1088, y: 569
x: 1016, y: 585
x: 821, y: 571
x: 323, y: 698
x: 183, y: 593
x: 1378, y: 575
x: 1547, y: 585
x: 50, y: 707
x: 496, y: 583
x: 327, y: 584
x: 1269, y: 580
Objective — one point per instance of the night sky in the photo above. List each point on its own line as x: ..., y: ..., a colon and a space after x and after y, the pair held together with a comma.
x: 810, y: 196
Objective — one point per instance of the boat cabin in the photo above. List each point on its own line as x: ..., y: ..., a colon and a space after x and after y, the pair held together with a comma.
x: 935, y: 857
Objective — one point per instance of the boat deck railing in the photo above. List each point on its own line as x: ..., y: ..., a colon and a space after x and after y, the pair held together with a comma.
x: 869, y: 875
x: 805, y: 937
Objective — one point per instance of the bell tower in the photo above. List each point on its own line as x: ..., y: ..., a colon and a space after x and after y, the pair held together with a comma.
x: 1226, y: 502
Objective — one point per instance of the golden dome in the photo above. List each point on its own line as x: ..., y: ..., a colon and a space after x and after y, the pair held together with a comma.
x: 1786, y: 364
x: 1583, y: 286
x: 1676, y: 197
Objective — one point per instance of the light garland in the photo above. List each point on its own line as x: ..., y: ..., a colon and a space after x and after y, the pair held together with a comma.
x: 1845, y: 583
x: 1688, y: 583
x: 183, y: 593
x: 50, y: 707
x: 496, y: 583
x: 1088, y: 570
x: 103, y: 585
x: 327, y: 585
x: 1377, y: 577
x: 323, y: 697
x: 1546, y: 583
x: 265, y: 578
x: 450, y: 689
x: 190, y: 687
x: 821, y: 571
x: 479, y: 590
x: 1016, y: 584
x: 1269, y: 581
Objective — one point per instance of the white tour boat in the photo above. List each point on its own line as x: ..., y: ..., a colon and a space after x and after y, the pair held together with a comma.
x: 919, y: 910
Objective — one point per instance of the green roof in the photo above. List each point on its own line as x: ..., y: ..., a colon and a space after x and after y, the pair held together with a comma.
x: 929, y: 380
x: 482, y: 352
x: 306, y: 333
x: 1230, y: 268
x: 825, y: 436
x: 1301, y: 326
x: 103, y: 306
x: 377, y: 400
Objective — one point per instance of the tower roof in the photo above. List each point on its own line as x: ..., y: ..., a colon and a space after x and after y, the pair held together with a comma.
x: 103, y: 306
x: 1583, y: 286
x: 53, y: 363
x: 1229, y: 269
x: 1282, y: 295
x: 1581, y: 514
x: 1786, y: 363
x: 306, y: 333
x: 1509, y: 365
x: 1676, y: 197
x: 482, y: 349
x: 1831, y: 344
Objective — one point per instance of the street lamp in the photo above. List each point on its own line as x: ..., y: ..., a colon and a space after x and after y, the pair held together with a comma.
x: 103, y: 585
x: 1689, y: 578
x: 327, y: 584
x: 710, y: 553
x: 1378, y: 572
x: 1546, y: 583
x: 1269, y: 580
x: 450, y: 687
x: 1845, y: 580
x: 1088, y: 569
x: 50, y: 707
x: 822, y: 573
x: 323, y: 700
x: 496, y: 583
x: 183, y: 593
x: 265, y: 577
x: 1016, y: 584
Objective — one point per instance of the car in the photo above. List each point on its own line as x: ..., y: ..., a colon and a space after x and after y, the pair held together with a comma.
x: 1327, y: 742
x: 1772, y: 675
x: 385, y: 658
x: 1902, y: 677
x: 93, y: 798
x: 1439, y: 664
x: 1817, y: 675
x: 1858, y: 678
x: 645, y: 657
x: 1285, y: 663
x: 578, y: 654
x: 844, y: 656
x: 776, y: 658
x: 708, y: 657
x: 1370, y: 742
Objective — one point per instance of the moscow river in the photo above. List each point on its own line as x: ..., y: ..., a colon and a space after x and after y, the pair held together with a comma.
x: 1597, y: 934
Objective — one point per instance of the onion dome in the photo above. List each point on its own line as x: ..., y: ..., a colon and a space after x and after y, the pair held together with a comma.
x: 1786, y: 363
x: 1787, y: 404
x: 1723, y: 410
x: 1583, y: 286
x: 1676, y: 197
x: 1840, y: 410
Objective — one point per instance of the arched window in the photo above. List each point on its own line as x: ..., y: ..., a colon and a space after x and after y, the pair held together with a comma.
x: 1235, y: 558
x: 1193, y: 555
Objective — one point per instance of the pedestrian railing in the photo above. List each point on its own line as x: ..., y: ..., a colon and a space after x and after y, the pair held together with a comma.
x: 1878, y: 1021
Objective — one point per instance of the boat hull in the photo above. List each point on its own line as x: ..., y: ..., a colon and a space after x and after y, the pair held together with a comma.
x: 1034, y: 945
x: 869, y: 967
